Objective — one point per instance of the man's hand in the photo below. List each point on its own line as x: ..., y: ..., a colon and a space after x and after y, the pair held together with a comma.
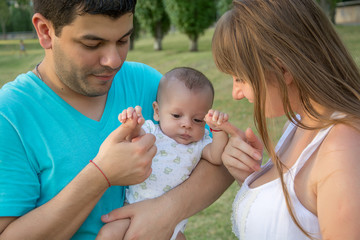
x: 122, y: 159
x: 145, y: 215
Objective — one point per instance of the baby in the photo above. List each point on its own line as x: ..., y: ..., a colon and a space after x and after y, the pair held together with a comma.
x: 183, y: 106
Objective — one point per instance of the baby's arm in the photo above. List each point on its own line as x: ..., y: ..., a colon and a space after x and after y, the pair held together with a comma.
x: 133, y: 114
x: 213, y: 151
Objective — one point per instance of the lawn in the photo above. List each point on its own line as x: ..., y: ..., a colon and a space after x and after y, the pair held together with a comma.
x: 213, y: 223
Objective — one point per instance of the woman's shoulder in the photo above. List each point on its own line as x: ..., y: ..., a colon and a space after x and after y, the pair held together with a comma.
x: 342, y: 137
x: 340, y: 150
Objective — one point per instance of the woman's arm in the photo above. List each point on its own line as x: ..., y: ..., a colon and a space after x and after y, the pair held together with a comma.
x: 338, y: 184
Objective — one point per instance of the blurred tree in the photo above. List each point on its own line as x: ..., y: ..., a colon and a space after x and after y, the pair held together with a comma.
x: 329, y: 7
x: 191, y: 17
x: 20, y: 19
x: 154, y: 19
x: 135, y: 34
x: 4, y: 16
x: 223, y: 6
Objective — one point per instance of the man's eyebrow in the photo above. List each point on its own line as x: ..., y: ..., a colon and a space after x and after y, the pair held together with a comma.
x: 97, y: 38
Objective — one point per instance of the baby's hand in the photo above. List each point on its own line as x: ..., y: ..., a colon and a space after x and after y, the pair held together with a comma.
x: 215, y: 119
x: 132, y: 113
x: 132, y: 117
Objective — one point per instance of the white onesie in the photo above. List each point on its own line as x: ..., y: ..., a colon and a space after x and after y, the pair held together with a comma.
x: 172, y: 165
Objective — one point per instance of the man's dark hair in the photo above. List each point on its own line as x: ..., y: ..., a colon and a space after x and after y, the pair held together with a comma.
x: 63, y: 12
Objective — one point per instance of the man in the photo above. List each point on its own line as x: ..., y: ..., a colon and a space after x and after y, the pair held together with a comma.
x: 56, y: 118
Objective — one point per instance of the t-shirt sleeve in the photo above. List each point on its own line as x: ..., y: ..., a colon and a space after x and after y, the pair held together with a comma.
x: 19, y: 183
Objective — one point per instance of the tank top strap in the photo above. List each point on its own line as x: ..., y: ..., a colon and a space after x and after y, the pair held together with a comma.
x: 309, y: 150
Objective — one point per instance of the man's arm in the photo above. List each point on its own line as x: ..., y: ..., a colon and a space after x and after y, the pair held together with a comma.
x: 202, y: 188
x: 62, y: 216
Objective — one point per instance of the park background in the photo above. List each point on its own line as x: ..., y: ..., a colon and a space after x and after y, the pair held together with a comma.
x: 176, y: 49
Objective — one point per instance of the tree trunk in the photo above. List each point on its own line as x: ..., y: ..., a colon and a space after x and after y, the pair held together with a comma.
x: 158, y: 44
x: 132, y: 43
x: 3, y: 28
x: 193, y: 45
x: 158, y: 37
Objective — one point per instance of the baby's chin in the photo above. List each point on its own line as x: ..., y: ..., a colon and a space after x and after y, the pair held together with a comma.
x: 184, y: 141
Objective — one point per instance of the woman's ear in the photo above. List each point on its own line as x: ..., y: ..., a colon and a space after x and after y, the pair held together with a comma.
x: 156, y: 111
x: 44, y: 30
x: 287, y: 75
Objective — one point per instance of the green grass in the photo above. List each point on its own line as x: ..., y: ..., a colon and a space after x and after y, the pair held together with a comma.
x: 214, y: 222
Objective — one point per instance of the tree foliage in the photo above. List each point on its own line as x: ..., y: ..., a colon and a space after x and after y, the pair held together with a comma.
x: 154, y: 19
x: 191, y: 17
x: 4, y: 15
x: 223, y: 6
x: 136, y: 32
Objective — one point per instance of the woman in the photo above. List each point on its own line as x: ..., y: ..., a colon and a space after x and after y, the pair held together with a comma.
x: 286, y: 58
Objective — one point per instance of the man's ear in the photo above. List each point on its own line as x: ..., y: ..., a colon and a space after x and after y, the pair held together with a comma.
x: 44, y: 30
x: 156, y: 111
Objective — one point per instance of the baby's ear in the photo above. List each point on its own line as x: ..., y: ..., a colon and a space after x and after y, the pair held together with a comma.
x: 156, y: 111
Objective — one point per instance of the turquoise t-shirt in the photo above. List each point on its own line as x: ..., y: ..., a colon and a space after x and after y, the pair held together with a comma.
x: 45, y: 142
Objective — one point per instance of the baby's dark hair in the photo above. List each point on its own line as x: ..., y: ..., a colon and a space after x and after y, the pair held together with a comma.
x: 62, y: 13
x: 192, y: 79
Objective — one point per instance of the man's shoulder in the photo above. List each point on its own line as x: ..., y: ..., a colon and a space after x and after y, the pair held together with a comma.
x: 14, y: 92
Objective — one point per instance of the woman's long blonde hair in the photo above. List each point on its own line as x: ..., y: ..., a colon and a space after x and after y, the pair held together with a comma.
x: 257, y: 37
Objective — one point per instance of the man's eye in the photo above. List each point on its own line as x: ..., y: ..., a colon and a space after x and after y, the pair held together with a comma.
x: 91, y: 46
x: 123, y: 42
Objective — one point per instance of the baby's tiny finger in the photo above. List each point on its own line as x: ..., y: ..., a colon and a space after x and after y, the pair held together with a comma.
x: 130, y: 112
x: 138, y: 110
x: 215, y: 116
x: 123, y: 116
x: 220, y: 119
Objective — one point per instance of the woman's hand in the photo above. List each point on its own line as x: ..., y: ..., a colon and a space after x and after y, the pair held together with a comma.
x: 243, y: 153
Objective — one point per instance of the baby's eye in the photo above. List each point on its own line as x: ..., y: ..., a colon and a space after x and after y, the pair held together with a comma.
x: 175, y: 115
x: 198, y: 120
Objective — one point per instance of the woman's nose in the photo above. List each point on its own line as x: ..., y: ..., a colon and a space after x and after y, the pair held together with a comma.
x: 237, y: 93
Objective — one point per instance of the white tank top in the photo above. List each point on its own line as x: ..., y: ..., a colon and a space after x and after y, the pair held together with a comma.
x: 261, y: 212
